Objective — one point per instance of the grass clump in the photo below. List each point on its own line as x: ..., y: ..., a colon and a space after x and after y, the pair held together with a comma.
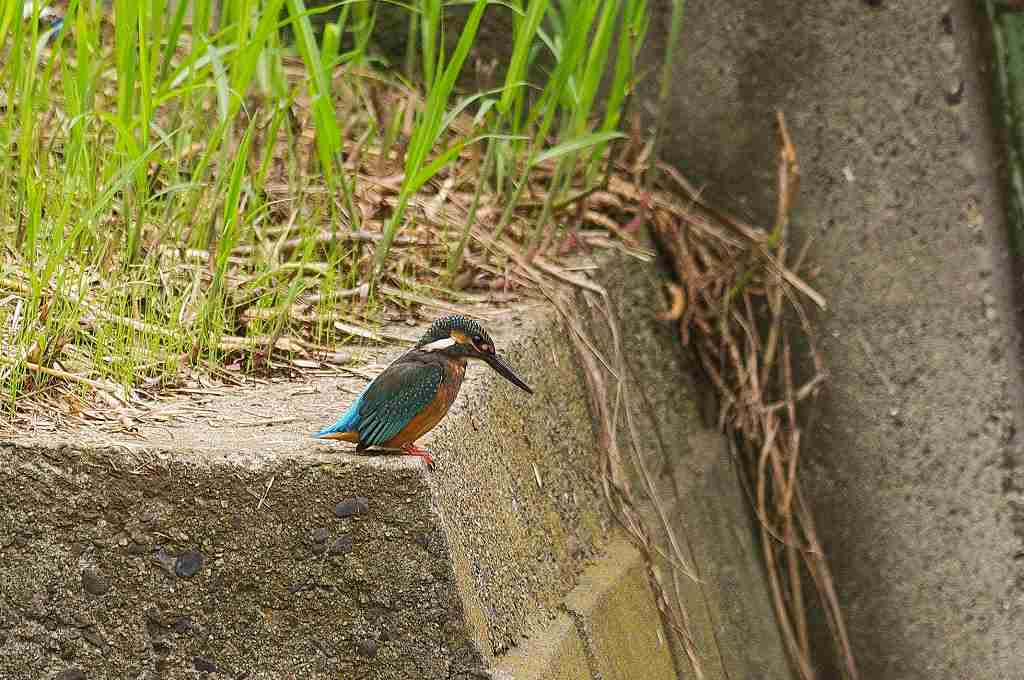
x: 189, y: 186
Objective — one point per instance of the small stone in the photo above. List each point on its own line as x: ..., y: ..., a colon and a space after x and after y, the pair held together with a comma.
x: 204, y: 665
x: 947, y: 23
x: 94, y: 583
x: 341, y: 546
x: 71, y: 674
x: 368, y: 648
x: 320, y: 535
x: 352, y: 506
x: 182, y: 625
x: 188, y: 564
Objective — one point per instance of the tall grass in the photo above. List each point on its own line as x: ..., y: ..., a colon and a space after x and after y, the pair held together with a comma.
x: 146, y: 149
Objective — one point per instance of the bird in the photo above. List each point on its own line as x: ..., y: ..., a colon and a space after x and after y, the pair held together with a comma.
x: 413, y: 394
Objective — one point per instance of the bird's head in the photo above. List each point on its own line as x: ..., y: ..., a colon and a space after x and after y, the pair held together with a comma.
x: 457, y: 337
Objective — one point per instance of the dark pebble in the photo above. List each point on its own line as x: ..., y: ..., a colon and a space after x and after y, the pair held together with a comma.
x: 71, y: 674
x: 94, y: 583
x: 368, y: 647
x: 204, y: 665
x: 183, y: 624
x: 342, y: 545
x: 188, y: 564
x: 352, y: 506
x: 320, y: 535
x: 947, y: 23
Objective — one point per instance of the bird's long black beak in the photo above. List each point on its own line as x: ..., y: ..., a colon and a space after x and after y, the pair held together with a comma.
x: 502, y: 367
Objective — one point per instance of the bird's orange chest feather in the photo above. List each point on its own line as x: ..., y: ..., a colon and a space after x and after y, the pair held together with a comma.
x: 435, y: 411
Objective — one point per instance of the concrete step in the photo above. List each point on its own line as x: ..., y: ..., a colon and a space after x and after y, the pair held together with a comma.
x: 212, y: 546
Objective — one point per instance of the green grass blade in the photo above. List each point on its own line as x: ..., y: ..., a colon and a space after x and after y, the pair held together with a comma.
x: 575, y: 145
x: 428, y: 131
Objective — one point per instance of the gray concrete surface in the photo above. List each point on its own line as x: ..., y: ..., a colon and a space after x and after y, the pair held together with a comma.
x: 225, y: 538
x: 915, y: 465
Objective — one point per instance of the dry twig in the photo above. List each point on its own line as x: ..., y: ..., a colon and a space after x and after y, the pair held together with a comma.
x: 727, y: 272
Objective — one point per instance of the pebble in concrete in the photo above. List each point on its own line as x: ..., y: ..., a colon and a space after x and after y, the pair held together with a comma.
x: 188, y: 564
x: 368, y: 648
x: 352, y: 506
x: 341, y: 546
x: 182, y: 625
x: 94, y: 582
x: 71, y: 674
x: 204, y: 665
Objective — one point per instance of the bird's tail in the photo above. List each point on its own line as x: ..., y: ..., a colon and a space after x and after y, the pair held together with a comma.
x: 337, y: 428
x: 345, y: 423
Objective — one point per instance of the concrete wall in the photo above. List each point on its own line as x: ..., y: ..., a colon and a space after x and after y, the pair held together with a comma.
x: 914, y: 465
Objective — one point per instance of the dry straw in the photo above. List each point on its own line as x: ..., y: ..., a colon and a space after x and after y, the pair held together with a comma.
x: 739, y: 301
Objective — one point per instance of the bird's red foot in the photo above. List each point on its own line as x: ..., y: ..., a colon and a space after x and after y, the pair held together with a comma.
x: 413, y: 450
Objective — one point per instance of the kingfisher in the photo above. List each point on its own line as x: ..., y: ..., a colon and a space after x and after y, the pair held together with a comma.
x: 411, y: 396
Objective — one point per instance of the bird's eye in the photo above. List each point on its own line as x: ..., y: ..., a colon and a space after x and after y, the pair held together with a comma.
x: 478, y: 340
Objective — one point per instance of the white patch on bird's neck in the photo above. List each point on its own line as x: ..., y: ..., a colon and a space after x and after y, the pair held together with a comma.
x: 443, y: 343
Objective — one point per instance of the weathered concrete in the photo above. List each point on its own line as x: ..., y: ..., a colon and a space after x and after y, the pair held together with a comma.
x: 128, y: 564
x: 613, y: 606
x: 219, y: 541
x: 915, y: 465
x: 605, y: 632
x: 557, y: 653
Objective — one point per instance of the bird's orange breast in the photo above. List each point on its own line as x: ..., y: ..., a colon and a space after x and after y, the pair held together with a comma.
x: 425, y: 421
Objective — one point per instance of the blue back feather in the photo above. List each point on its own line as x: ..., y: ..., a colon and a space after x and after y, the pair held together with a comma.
x: 390, y: 402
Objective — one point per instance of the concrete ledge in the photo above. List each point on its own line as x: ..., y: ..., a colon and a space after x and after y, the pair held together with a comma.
x: 128, y: 565
x: 230, y: 542
x: 614, y: 608
x: 606, y: 632
x: 556, y: 653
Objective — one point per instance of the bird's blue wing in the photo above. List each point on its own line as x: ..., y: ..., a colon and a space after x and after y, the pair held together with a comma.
x: 390, y: 402
x: 394, y: 398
